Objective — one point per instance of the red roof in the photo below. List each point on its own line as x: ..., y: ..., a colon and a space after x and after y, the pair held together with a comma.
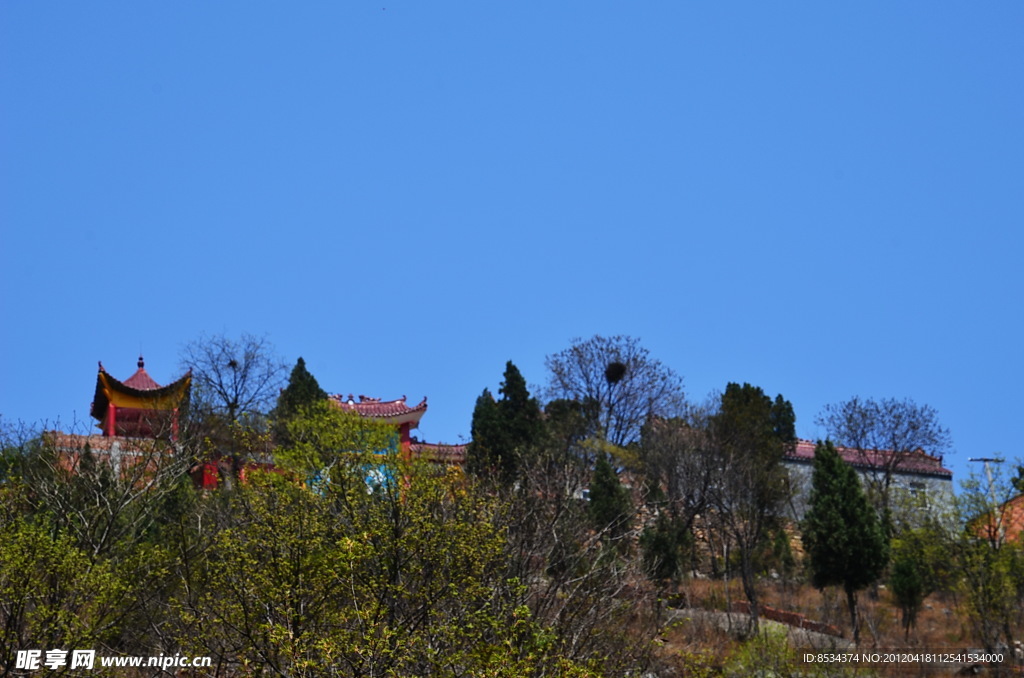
x: 911, y: 462
x: 438, y: 452
x: 395, y: 411
x: 141, y: 381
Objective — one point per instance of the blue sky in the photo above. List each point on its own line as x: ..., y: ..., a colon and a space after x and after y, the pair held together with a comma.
x: 821, y: 199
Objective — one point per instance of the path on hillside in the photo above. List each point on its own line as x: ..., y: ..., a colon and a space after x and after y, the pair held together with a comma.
x: 737, y: 622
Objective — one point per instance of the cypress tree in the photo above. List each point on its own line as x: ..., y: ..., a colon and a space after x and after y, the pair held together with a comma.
x: 302, y: 391
x: 610, y: 506
x: 483, y: 455
x: 505, y: 431
x: 842, y: 533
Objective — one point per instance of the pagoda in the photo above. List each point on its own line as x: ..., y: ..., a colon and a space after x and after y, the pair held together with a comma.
x: 138, y: 407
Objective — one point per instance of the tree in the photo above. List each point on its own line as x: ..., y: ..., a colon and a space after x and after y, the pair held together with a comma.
x: 610, y: 506
x: 234, y: 384
x: 505, y: 431
x: 842, y: 534
x: 233, y: 378
x: 302, y: 391
x: 989, y: 560
x: 748, y: 444
x: 885, y: 433
x: 619, y: 375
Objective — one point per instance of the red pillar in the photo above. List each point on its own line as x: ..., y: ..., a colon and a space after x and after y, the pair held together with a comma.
x: 111, y: 417
x: 406, y: 441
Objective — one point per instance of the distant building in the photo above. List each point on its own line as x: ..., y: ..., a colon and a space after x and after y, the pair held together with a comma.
x: 1004, y: 524
x: 138, y: 407
x: 138, y: 422
x: 915, y: 472
x: 405, y: 419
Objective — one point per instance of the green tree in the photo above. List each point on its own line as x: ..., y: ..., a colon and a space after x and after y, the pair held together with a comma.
x: 990, y: 563
x: 664, y: 546
x: 507, y: 431
x: 842, y: 534
x: 909, y: 589
x: 321, y: 436
x: 610, y: 506
x: 748, y: 438
x: 302, y: 391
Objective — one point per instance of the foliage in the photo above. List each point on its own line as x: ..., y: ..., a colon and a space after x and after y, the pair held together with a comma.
x: 51, y: 595
x: 610, y: 507
x: 403, y: 581
x: 921, y: 557
x: 665, y: 545
x: 321, y: 435
x: 507, y: 431
x: 748, y: 438
x: 842, y: 535
x: 621, y: 377
x: 991, y: 566
x: 302, y: 391
x: 907, y: 582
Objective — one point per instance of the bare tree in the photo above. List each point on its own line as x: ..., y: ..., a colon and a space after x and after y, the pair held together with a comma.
x: 234, y: 386
x: 234, y: 378
x: 887, y: 434
x: 619, y: 375
x: 676, y: 455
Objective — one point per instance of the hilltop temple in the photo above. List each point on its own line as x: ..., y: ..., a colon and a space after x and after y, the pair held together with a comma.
x: 405, y: 419
x: 138, y: 407
x: 135, y: 414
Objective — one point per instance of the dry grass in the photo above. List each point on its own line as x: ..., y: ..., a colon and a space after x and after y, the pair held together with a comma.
x: 695, y: 645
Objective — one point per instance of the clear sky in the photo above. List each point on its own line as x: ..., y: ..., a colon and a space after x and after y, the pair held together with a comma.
x: 822, y: 199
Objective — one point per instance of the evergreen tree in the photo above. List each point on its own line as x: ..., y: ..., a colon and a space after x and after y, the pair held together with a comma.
x: 520, y: 414
x: 783, y: 420
x: 663, y: 545
x: 505, y: 431
x: 842, y: 533
x: 483, y: 456
x: 610, y: 506
x: 302, y: 391
x: 749, y: 434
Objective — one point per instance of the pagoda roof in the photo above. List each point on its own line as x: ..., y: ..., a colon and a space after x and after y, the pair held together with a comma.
x: 140, y: 381
x: 917, y: 461
x: 138, y: 391
x: 390, y: 411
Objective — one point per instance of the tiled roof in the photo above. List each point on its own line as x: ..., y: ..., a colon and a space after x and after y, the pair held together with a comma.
x: 141, y: 381
x: 139, y: 385
x: 911, y: 462
x: 376, y: 409
x: 438, y: 452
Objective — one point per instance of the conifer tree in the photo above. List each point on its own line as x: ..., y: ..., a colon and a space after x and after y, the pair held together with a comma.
x: 610, y: 506
x: 482, y: 458
x: 842, y: 533
x: 505, y: 431
x: 302, y: 391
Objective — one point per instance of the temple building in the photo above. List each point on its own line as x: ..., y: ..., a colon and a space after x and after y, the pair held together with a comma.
x: 138, y: 422
x: 405, y: 419
x: 138, y: 407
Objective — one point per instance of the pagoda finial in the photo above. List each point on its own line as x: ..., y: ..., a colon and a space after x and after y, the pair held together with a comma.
x: 142, y: 363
